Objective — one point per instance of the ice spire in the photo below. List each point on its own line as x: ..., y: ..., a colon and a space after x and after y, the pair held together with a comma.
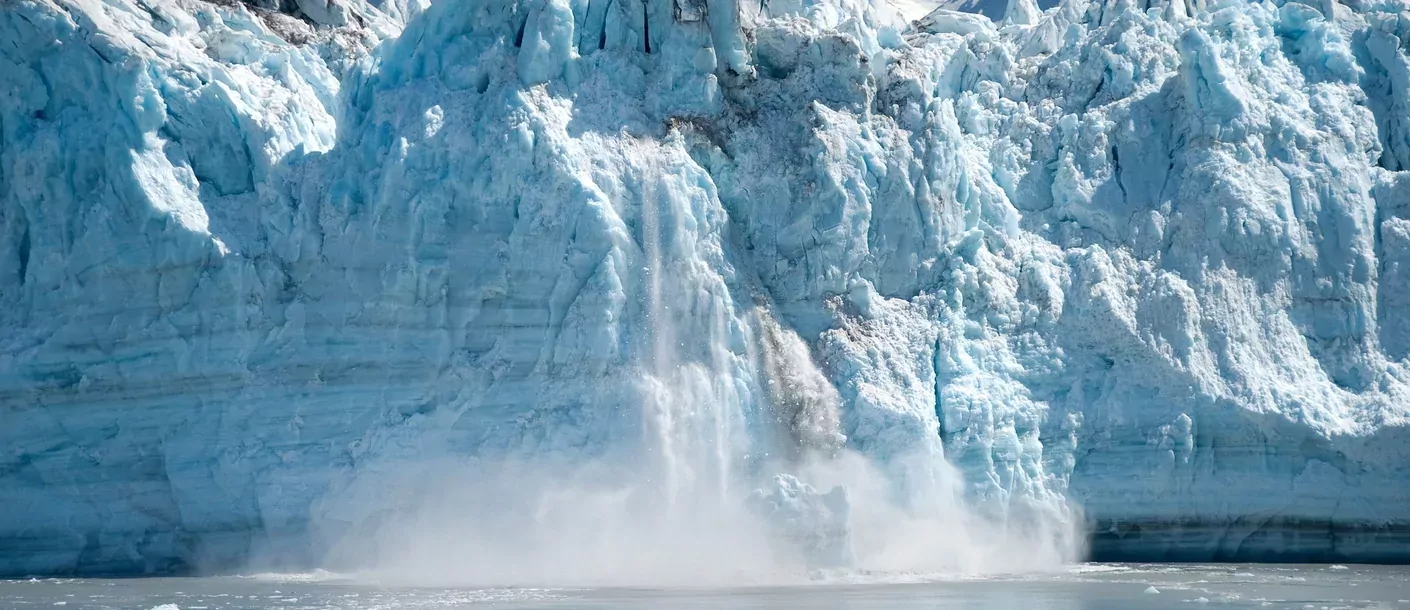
x: 1022, y: 12
x: 1176, y: 11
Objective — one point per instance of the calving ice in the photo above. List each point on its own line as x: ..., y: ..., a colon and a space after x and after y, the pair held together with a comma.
x: 613, y: 282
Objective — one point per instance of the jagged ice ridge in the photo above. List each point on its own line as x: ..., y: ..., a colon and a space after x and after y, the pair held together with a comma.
x: 1146, y: 259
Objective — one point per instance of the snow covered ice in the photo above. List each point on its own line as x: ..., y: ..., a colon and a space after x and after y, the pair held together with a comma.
x: 1142, y: 265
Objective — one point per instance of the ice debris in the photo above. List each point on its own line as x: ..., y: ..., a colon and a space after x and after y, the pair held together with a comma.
x: 1151, y: 258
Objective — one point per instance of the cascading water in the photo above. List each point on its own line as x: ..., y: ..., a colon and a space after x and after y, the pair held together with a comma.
x: 303, y: 269
x: 691, y: 409
x: 740, y: 456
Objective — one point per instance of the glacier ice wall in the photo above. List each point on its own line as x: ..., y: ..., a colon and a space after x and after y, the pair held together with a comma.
x: 257, y: 259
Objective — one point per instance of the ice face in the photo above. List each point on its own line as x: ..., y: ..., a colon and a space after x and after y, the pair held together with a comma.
x: 1141, y: 259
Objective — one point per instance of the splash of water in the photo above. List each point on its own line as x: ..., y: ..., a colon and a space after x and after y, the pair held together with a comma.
x: 742, y: 475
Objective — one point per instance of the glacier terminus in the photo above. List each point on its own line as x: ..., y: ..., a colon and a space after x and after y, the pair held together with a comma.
x: 308, y: 281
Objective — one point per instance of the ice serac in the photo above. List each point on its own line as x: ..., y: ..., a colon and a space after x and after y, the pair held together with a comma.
x: 1147, y: 259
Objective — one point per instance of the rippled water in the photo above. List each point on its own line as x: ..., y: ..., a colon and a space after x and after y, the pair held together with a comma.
x: 1095, y: 586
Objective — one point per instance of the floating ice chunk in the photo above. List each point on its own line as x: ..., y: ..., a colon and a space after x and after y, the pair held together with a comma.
x: 1152, y: 591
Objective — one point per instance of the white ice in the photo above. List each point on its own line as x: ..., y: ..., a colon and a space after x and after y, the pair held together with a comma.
x: 1149, y: 260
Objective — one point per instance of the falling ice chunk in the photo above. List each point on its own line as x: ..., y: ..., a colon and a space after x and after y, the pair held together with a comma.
x: 809, y: 521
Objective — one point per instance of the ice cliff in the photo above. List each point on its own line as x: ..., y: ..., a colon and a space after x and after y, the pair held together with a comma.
x: 1145, y: 259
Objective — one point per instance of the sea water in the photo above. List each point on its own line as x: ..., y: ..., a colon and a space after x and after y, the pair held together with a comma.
x: 1084, y: 586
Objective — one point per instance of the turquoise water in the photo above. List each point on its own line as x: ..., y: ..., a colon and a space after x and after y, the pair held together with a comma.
x: 1087, y: 586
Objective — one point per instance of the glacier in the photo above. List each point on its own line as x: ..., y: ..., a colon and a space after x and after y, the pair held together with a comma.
x: 1140, y: 267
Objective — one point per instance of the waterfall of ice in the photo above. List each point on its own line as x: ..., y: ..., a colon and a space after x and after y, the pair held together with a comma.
x: 691, y: 406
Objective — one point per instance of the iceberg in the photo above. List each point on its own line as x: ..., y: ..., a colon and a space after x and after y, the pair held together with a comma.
x: 1136, y: 267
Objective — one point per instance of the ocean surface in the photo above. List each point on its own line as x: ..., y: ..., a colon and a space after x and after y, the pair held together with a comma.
x: 1086, y: 586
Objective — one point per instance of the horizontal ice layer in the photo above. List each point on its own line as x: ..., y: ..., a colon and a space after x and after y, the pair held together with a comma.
x: 1147, y: 259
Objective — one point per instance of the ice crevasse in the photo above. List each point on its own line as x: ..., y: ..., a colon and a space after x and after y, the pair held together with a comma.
x: 1142, y: 264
